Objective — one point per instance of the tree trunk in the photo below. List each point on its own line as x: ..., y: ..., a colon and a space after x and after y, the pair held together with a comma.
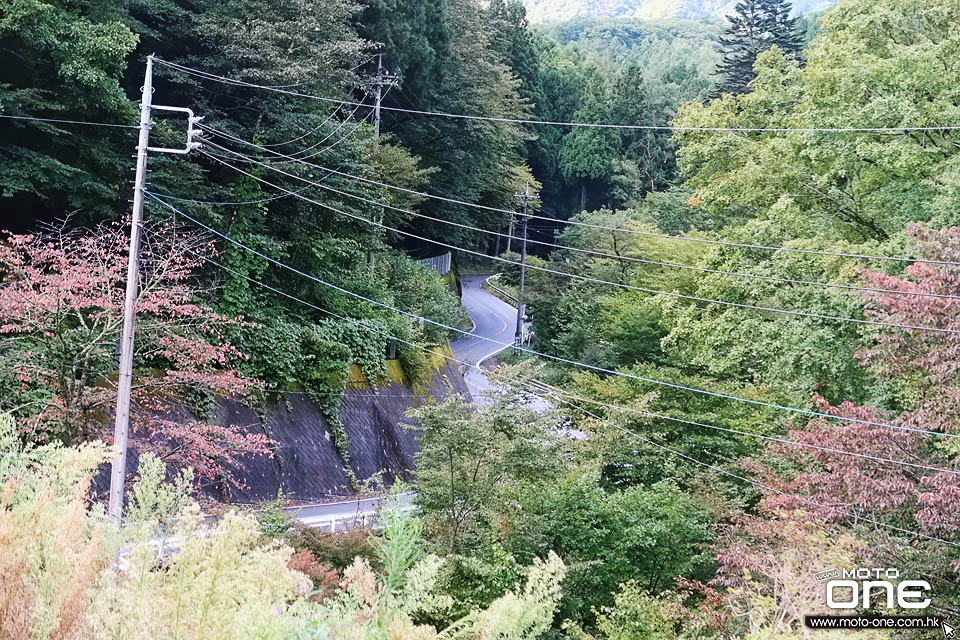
x: 583, y: 196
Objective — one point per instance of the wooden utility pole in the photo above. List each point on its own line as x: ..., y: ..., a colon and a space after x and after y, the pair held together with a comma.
x: 380, y: 80
x: 121, y: 428
x: 526, y: 197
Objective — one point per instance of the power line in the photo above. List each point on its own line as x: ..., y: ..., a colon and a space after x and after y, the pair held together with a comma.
x: 583, y: 278
x: 583, y: 365
x: 592, y: 252
x: 347, y: 136
x: 769, y: 488
x: 308, y: 133
x: 648, y: 414
x: 215, y: 203
x: 807, y: 445
x: 327, y: 137
x: 226, y: 80
x: 623, y: 429
x: 577, y: 223
x: 62, y: 121
x: 573, y: 397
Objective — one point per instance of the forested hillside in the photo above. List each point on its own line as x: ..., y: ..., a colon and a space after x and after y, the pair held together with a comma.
x: 562, y: 10
x: 742, y: 276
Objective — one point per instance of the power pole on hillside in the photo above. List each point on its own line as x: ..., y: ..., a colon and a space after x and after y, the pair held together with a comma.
x: 380, y: 81
x: 121, y: 428
x: 526, y: 197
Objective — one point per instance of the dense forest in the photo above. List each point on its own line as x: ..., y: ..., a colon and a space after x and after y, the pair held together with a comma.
x: 563, y: 10
x: 743, y: 290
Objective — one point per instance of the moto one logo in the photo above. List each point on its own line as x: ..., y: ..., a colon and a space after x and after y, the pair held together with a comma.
x: 864, y: 587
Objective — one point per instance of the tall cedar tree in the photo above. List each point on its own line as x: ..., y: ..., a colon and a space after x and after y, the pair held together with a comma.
x: 756, y: 26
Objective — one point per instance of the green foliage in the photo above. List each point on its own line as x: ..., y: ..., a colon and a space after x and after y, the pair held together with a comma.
x: 363, y: 340
x: 588, y: 153
x: 339, y: 548
x: 442, y: 590
x: 418, y: 290
x: 275, y: 42
x: 356, y: 612
x: 247, y: 225
x: 416, y: 366
x: 153, y: 499
x: 468, y: 454
x: 66, y: 570
x: 756, y: 26
x: 521, y: 615
x: 400, y: 543
x: 650, y: 534
x: 63, y: 60
x: 272, y: 519
x: 477, y: 580
x: 636, y: 615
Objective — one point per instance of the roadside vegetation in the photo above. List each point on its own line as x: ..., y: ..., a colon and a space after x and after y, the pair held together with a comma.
x: 747, y: 329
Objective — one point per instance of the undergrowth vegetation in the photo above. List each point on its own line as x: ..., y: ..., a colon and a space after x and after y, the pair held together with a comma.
x: 168, y: 573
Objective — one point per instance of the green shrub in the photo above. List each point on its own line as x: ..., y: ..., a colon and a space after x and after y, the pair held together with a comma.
x: 339, y: 548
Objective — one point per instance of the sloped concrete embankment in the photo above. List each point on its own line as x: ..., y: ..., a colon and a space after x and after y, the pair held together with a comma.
x: 307, y: 465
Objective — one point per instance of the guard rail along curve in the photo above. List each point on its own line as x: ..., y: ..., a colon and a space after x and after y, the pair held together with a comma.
x: 439, y: 264
x: 498, y: 292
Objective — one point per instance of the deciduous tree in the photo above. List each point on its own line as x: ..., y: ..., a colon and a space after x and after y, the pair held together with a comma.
x: 61, y: 314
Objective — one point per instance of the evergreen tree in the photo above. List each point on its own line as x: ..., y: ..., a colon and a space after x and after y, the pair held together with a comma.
x: 588, y: 154
x: 755, y: 26
x: 65, y: 61
x: 786, y: 31
x: 641, y: 98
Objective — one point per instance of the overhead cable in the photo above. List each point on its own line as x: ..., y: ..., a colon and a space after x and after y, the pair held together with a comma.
x: 903, y: 129
x: 629, y: 432
x: 623, y: 374
x: 578, y: 223
x: 626, y: 258
x: 63, y: 121
x: 575, y: 276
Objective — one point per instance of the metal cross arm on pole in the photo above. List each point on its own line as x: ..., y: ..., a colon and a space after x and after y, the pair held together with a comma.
x: 125, y: 380
x: 192, y: 130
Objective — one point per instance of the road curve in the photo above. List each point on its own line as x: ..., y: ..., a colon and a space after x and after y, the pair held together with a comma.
x: 495, y: 320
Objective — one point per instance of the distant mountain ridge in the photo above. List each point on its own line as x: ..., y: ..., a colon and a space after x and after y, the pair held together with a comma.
x: 544, y: 11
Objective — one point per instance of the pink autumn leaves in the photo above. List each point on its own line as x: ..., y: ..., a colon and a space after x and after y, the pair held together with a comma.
x: 61, y: 313
x: 924, y: 365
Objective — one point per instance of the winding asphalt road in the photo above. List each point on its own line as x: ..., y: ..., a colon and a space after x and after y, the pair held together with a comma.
x: 494, y: 319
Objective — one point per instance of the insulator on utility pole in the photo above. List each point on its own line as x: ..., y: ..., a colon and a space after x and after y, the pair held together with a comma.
x: 121, y: 429
x: 524, y: 217
x: 381, y: 80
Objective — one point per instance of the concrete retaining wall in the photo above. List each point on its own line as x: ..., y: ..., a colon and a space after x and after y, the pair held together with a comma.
x: 307, y: 465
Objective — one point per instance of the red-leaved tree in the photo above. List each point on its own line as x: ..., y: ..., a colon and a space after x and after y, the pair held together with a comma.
x: 926, y: 367
x: 907, y: 514
x: 61, y: 315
